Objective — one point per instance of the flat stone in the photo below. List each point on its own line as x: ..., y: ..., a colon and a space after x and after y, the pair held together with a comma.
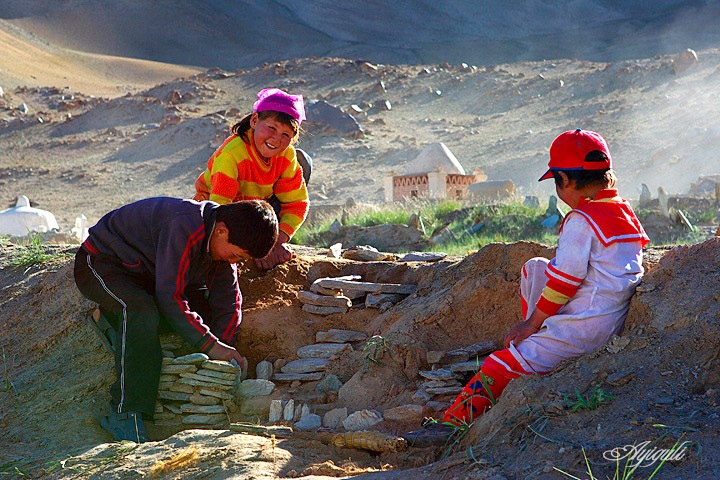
x: 192, y: 359
x: 421, y: 396
x: 180, y: 396
x: 375, y: 300
x: 471, y: 366
x: 365, y: 253
x: 216, y: 393
x: 173, y: 408
x: 181, y: 387
x: 304, y: 365
x: 339, y: 301
x: 264, y: 370
x: 331, y: 383
x: 340, y: 336
x: 439, y: 374
x: 302, y: 377
x: 444, y: 390
x: 334, y: 292
x: 409, y: 412
x: 289, y: 411
x: 217, y: 374
x: 220, y: 366
x: 362, y: 420
x: 422, y: 257
x: 334, y: 417
x: 438, y: 407
x: 199, y: 399
x: 205, y: 378
x: 204, y: 419
x: 168, y: 377
x: 257, y: 407
x: 335, y: 250
x: 178, y: 369
x: 318, y: 310
x: 254, y: 388
x: 168, y: 423
x: 203, y: 383
x: 323, y: 350
x: 206, y: 409
x: 311, y: 421
x: 166, y: 416
x: 276, y: 411
x: 405, y: 289
x: 434, y: 356
x: 465, y: 353
x: 440, y: 384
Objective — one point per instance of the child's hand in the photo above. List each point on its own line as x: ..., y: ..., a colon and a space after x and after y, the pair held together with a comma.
x: 523, y: 330
x: 221, y: 351
x: 279, y: 254
x: 519, y: 333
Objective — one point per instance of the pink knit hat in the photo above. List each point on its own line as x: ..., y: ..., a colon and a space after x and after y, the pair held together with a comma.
x: 279, y: 101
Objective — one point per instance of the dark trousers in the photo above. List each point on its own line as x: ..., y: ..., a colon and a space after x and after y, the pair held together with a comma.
x: 128, y: 302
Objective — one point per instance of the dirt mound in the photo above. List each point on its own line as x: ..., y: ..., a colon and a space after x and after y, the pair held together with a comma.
x: 662, y: 371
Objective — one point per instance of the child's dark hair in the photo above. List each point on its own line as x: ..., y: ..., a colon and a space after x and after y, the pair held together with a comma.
x: 243, y: 126
x: 583, y: 178
x: 252, y: 225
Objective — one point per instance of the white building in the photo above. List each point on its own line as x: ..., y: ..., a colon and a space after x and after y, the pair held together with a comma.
x: 435, y: 173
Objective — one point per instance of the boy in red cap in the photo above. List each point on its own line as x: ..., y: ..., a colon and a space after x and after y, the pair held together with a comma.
x: 573, y: 303
x: 258, y: 162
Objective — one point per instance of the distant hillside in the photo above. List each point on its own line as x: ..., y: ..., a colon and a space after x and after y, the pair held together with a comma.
x: 242, y: 34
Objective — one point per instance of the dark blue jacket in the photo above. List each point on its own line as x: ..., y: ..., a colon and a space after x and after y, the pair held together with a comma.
x: 167, y: 239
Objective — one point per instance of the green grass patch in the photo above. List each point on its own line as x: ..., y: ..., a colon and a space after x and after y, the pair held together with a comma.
x: 594, y: 400
x: 33, y: 253
x: 472, y: 227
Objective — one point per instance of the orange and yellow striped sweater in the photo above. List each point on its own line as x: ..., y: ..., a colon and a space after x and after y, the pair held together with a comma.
x: 237, y: 172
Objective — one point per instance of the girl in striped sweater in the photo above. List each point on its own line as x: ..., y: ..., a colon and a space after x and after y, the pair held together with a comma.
x: 258, y: 161
x: 573, y: 303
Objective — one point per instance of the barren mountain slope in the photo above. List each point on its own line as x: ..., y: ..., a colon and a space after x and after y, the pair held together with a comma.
x: 88, y: 155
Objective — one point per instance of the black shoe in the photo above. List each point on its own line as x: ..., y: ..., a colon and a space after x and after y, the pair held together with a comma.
x: 125, y: 426
x: 432, y: 434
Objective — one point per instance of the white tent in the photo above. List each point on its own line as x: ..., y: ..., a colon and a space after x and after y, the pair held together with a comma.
x: 22, y: 219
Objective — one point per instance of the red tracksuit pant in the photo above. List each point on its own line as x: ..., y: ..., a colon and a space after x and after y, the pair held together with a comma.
x: 483, y: 390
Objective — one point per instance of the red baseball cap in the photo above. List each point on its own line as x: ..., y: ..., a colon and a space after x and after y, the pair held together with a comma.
x: 569, y: 149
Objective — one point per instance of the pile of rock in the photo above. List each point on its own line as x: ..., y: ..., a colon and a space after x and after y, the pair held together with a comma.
x: 310, y: 366
x: 194, y: 390
x: 313, y: 359
x: 449, y: 370
x: 338, y: 294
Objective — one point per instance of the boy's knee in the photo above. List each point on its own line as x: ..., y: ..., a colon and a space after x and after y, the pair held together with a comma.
x: 532, y: 265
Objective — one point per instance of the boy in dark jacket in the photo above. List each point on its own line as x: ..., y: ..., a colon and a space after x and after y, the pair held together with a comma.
x: 169, y: 260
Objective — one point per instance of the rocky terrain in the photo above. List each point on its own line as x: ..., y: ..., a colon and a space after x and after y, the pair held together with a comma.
x: 82, y: 132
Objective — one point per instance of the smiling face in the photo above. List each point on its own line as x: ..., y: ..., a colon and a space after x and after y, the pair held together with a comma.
x: 271, y: 136
x: 221, y: 249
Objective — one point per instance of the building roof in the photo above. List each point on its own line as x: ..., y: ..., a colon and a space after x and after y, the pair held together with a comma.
x: 435, y: 157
